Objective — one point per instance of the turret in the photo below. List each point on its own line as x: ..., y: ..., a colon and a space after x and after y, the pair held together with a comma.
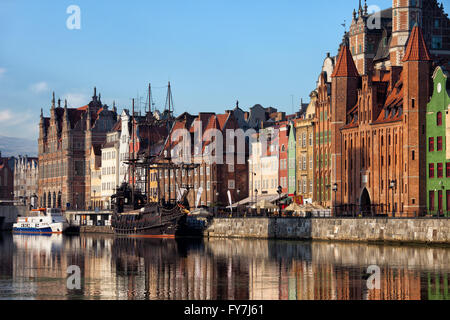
x: 405, y: 14
x: 416, y: 84
x: 344, y: 86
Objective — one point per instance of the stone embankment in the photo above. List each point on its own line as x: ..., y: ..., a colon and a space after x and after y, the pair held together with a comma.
x: 435, y: 231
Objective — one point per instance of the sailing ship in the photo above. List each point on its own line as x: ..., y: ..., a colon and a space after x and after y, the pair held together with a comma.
x: 134, y: 214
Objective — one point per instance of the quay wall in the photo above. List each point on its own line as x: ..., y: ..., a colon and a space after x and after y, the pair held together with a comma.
x: 433, y: 231
x: 96, y: 229
x: 9, y: 214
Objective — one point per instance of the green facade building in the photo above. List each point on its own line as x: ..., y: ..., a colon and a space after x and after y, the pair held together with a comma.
x: 438, y: 146
x: 292, y: 160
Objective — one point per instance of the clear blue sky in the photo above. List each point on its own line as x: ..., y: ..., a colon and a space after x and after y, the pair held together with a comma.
x: 214, y: 52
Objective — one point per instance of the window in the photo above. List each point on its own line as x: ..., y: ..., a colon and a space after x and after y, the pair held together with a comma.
x: 440, y: 170
x: 231, y: 184
x: 436, y: 42
x: 439, y: 143
x: 431, y: 170
x: 447, y: 169
x: 439, y: 119
x: 231, y: 168
x: 436, y: 23
x: 431, y: 144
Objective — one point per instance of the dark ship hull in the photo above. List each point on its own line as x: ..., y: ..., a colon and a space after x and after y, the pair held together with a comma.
x: 152, y: 221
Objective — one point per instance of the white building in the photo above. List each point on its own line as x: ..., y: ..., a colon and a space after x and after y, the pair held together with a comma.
x: 110, y: 165
x: 124, y: 148
x: 26, y: 175
x: 264, y: 166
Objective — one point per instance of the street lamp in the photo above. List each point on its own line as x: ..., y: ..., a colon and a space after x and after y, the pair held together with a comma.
x: 392, y: 186
x: 335, y: 189
x: 253, y: 183
x: 93, y: 206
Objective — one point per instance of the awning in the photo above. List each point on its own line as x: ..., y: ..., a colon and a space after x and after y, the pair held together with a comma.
x: 264, y: 197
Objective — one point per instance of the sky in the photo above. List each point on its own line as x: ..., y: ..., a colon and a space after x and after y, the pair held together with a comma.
x: 214, y: 52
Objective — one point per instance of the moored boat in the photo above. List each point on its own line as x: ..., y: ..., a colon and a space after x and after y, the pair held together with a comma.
x: 42, y: 221
x: 151, y: 220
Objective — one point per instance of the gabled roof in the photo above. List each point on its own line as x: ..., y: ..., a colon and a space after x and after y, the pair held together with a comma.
x: 417, y: 49
x: 345, y: 66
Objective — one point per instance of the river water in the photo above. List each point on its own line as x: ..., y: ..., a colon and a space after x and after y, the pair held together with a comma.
x: 114, y: 268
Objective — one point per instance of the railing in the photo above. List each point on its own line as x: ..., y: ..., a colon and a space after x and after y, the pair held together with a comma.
x: 329, y: 214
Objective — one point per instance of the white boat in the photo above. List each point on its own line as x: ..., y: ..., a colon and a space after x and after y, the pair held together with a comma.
x: 42, y: 221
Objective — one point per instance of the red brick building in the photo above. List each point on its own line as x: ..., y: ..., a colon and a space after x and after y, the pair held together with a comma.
x: 383, y: 140
x: 378, y: 41
x: 282, y: 143
x: 214, y: 178
x: 64, y: 149
x: 372, y: 110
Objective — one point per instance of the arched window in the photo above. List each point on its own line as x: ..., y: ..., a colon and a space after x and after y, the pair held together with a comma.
x: 44, y: 201
x: 49, y: 200
x: 54, y: 200
x: 439, y: 119
x: 59, y: 200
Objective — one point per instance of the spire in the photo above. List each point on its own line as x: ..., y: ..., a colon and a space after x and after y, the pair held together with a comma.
x: 94, y: 97
x: 42, y: 114
x: 59, y: 103
x: 354, y: 14
x: 365, y: 8
x: 360, y: 10
x: 345, y: 66
x: 417, y: 49
x: 65, y: 104
x: 53, y: 100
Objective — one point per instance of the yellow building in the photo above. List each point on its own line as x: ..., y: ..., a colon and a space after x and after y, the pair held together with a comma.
x: 95, y: 165
x: 305, y: 152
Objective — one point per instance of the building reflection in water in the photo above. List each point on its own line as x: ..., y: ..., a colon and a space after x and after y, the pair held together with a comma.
x: 35, y: 267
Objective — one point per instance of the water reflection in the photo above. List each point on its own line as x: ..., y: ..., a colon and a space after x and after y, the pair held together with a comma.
x: 34, y: 267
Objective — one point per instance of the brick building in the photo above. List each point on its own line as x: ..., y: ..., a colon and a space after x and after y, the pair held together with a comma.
x: 283, y: 144
x: 64, y: 147
x: 6, y: 178
x: 378, y: 40
x: 383, y: 139
x: 211, y: 180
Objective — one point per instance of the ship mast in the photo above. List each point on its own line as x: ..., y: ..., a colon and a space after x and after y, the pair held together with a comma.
x: 134, y: 157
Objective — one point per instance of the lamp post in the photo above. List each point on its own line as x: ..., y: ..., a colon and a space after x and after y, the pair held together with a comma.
x: 93, y: 206
x: 256, y: 199
x: 335, y: 189
x: 392, y: 186
x: 253, y: 183
x: 279, y: 191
